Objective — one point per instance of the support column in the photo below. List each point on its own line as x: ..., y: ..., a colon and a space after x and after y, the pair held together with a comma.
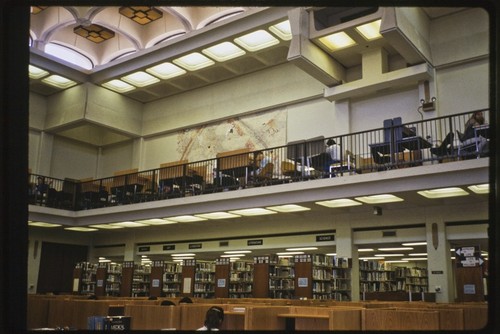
x: 130, y: 249
x: 43, y: 166
x: 345, y: 248
x: 439, y: 262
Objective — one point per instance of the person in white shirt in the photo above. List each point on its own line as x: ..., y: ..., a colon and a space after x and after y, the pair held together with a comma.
x: 213, y: 319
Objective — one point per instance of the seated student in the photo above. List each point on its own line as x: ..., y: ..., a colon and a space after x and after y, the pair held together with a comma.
x: 260, y: 161
x: 333, y: 154
x: 469, y: 139
x: 213, y: 319
x: 185, y: 300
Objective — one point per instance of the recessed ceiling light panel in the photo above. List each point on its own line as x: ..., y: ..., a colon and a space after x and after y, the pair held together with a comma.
x: 378, y: 199
x: 253, y: 212
x: 337, y: 41
x: 282, y: 30
x: 193, y: 61
x: 443, y: 192
x: 118, y: 86
x: 370, y: 31
x: 223, y: 51
x: 59, y: 81
x: 339, y: 203
x: 256, y: 40
x: 166, y: 71
x: 140, y: 79
x: 288, y: 208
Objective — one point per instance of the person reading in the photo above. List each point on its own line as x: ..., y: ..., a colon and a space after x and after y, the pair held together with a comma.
x: 213, y: 319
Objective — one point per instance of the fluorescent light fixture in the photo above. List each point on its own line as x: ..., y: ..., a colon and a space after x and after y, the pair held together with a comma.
x: 180, y: 258
x: 253, y: 212
x: 80, y: 229
x: 290, y: 253
x: 377, y: 199
x: 217, y: 215
x: 256, y: 40
x: 388, y: 255
x: 288, y: 208
x: 238, y: 252
x: 140, y: 79
x: 104, y: 261
x: 129, y: 224
x: 337, y: 41
x: 36, y: 73
x: 301, y: 249
x: 186, y: 219
x: 155, y: 221
x: 331, y: 254
x: 339, y: 203
x: 366, y: 258
x: 282, y: 30
x: 118, y: 86
x: 223, y: 51
x: 232, y: 255
x: 233, y: 259
x: 183, y: 255
x: 166, y: 71
x: 285, y: 256
x: 370, y: 31
x: 443, y: 192
x: 43, y: 224
x: 365, y: 250
x: 417, y: 254
x: 106, y: 226
x: 480, y: 188
x: 193, y: 61
x: 396, y: 261
x: 58, y: 81
x: 390, y: 249
x: 419, y: 243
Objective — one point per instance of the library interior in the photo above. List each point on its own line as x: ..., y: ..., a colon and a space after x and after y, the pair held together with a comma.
x: 319, y: 168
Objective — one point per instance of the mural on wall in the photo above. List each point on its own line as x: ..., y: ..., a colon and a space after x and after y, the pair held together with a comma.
x: 257, y: 131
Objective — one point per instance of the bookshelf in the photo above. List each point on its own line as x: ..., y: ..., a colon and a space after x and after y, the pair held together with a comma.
x: 412, y: 279
x: 376, y: 276
x: 281, y: 277
x: 172, y: 279
x: 241, y: 279
x: 204, y: 280
x: 141, y: 280
x: 113, y: 279
x: 341, y: 277
x: 84, y: 278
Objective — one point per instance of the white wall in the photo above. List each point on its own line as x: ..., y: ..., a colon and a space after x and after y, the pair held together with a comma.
x: 115, y: 158
x: 65, y: 163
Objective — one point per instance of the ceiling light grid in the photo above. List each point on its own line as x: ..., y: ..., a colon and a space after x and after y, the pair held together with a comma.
x: 197, y: 60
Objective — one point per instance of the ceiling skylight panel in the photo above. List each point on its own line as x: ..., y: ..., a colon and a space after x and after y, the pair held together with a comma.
x: 257, y: 40
x: 223, y: 51
x: 140, y: 79
x: 193, y: 61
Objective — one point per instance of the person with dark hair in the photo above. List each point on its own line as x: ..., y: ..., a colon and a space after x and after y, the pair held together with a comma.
x: 185, y: 300
x: 213, y: 319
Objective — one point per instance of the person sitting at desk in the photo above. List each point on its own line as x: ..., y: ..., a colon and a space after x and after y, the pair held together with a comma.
x: 213, y: 319
x: 469, y: 138
x: 330, y: 156
x: 260, y: 161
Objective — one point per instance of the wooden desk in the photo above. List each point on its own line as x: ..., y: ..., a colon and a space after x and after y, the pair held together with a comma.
x: 295, y: 322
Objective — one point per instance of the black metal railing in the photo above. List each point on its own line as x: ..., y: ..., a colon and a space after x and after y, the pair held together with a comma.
x: 395, y: 145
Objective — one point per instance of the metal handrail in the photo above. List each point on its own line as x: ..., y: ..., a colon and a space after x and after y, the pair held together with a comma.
x: 396, y: 145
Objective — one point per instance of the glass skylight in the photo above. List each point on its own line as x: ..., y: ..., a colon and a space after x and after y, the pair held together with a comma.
x: 140, y: 79
x: 370, y: 31
x: 36, y: 73
x: 193, y: 61
x: 70, y: 55
x: 118, y: 86
x: 257, y: 40
x: 337, y: 41
x: 59, y: 81
x: 282, y: 30
x: 166, y: 70
x: 223, y: 51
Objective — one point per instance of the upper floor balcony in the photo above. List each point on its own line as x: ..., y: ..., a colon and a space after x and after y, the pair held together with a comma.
x: 428, y: 154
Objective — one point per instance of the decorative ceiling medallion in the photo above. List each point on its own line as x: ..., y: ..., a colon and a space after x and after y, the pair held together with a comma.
x: 37, y: 9
x: 94, y: 33
x: 141, y: 14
